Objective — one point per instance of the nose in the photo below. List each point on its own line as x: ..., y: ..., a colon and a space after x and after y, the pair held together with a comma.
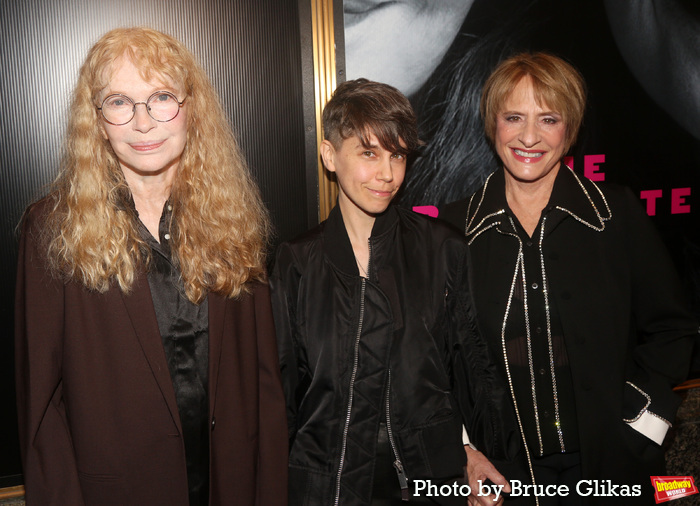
x: 142, y: 120
x: 529, y: 135
x: 385, y: 172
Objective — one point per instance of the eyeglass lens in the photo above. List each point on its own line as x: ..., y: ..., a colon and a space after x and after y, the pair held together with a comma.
x: 120, y: 109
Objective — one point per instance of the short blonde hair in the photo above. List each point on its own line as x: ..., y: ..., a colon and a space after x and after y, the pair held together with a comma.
x: 220, y: 226
x: 555, y: 83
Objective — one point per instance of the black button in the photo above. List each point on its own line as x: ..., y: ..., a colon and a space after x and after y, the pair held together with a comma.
x: 542, y: 371
x: 535, y: 286
x: 546, y: 413
x: 529, y: 243
x: 538, y: 330
x: 213, y: 423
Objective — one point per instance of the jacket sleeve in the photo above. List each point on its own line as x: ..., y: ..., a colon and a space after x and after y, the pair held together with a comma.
x: 284, y: 283
x: 272, y: 459
x: 482, y: 397
x: 665, y: 327
x: 48, y: 458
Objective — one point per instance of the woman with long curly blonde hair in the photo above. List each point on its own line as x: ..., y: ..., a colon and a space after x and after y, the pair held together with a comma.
x: 142, y: 315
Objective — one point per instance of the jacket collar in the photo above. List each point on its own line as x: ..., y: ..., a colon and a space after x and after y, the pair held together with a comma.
x: 571, y: 195
x: 336, y: 242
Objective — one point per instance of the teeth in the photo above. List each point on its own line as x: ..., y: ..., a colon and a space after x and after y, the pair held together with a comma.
x: 526, y: 154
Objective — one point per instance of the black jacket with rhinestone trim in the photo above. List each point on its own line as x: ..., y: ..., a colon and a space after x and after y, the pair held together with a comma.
x: 627, y: 328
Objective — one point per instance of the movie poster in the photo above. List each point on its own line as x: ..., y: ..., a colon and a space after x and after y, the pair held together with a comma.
x: 641, y: 63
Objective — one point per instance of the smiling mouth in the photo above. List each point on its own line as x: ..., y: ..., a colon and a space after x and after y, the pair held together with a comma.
x: 527, y: 154
x: 146, y: 146
x: 382, y: 193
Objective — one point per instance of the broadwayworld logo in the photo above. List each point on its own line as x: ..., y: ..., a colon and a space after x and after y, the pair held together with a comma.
x: 668, y: 488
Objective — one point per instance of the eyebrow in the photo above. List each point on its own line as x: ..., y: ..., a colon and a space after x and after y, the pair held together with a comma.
x: 109, y: 91
x: 360, y: 144
x: 544, y: 113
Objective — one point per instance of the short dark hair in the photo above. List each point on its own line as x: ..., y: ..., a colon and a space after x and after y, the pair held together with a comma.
x: 361, y: 107
x: 555, y: 82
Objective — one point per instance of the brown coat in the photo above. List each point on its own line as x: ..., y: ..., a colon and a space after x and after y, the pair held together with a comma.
x: 98, y: 418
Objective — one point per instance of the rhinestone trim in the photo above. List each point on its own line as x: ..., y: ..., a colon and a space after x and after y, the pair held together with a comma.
x: 507, y: 364
x: 545, y: 292
x: 645, y: 409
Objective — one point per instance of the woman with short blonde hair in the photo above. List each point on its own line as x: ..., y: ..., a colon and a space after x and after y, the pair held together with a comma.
x: 576, y: 295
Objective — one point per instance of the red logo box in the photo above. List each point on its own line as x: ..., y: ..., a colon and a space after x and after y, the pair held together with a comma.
x: 668, y: 488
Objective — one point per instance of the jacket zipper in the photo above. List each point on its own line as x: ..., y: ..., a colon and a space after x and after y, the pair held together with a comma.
x: 403, y: 482
x: 352, y: 390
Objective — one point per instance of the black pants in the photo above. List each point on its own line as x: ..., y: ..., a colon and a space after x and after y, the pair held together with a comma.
x: 559, y: 469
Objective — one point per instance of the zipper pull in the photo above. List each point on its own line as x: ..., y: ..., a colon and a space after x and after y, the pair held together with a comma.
x: 403, y: 482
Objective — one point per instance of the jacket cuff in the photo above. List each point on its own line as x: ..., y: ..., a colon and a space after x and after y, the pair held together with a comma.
x: 650, y: 425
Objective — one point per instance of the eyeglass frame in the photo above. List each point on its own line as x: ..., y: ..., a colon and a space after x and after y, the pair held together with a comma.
x: 134, y: 104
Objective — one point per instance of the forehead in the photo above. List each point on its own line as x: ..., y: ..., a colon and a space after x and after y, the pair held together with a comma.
x: 123, y: 76
x: 523, y: 95
x: 369, y: 139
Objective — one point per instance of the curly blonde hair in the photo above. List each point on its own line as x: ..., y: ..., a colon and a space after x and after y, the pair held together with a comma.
x: 220, y: 227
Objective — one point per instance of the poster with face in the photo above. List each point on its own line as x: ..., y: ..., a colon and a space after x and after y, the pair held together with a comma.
x: 641, y: 63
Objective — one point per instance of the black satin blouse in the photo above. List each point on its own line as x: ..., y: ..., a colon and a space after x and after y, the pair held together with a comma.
x: 184, y: 329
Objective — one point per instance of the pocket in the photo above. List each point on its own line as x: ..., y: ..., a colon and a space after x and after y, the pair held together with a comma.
x: 98, y: 478
x: 104, y: 489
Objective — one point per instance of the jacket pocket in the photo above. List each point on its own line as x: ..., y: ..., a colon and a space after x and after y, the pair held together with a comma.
x: 104, y: 489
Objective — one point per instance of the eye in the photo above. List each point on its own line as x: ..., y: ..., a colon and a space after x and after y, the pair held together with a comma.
x: 116, y: 102
x: 512, y: 118
x: 550, y: 121
x: 368, y: 153
x: 163, y: 97
x: 398, y: 156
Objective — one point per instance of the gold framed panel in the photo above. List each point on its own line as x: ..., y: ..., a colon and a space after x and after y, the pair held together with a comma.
x: 325, y: 81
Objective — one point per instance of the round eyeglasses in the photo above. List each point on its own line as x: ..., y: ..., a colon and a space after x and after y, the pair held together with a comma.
x: 119, y: 109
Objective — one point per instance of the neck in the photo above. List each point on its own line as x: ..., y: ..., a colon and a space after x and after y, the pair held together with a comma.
x: 527, y: 199
x: 358, y: 225
x: 150, y: 194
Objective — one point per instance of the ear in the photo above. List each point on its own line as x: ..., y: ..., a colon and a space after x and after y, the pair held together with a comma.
x: 328, y: 155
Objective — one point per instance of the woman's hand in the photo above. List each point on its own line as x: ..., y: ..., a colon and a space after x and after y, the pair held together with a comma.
x: 480, y: 469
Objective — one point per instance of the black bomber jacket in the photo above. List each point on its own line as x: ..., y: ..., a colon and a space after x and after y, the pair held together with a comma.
x: 400, y: 347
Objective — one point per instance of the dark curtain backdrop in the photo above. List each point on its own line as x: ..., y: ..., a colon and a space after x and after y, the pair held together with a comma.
x: 251, y: 51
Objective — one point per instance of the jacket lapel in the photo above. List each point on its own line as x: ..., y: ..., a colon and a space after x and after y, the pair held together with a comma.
x: 139, y: 306
x: 574, y: 197
x: 487, y: 207
x: 217, y: 312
